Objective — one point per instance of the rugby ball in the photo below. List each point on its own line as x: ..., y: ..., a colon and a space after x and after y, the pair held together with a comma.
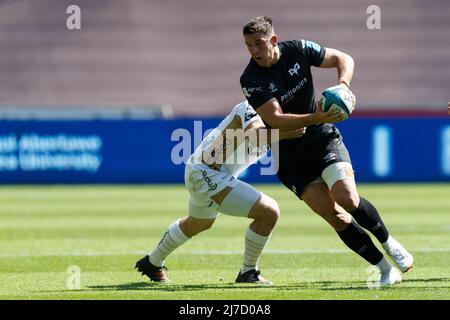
x: 337, y: 98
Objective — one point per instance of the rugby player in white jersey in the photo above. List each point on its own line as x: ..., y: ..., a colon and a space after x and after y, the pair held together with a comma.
x: 211, y: 177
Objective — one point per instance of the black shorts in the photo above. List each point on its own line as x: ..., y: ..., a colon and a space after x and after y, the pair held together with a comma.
x: 306, y: 163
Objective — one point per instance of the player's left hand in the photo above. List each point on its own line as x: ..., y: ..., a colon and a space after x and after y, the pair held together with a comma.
x: 343, y: 85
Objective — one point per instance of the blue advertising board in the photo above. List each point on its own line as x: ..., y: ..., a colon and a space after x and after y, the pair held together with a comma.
x: 153, y: 151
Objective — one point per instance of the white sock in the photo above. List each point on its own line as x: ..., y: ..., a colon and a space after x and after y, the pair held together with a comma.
x: 172, y: 239
x: 389, y: 244
x: 384, y: 265
x: 254, y: 245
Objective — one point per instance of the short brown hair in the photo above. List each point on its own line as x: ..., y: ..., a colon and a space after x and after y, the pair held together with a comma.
x: 262, y: 24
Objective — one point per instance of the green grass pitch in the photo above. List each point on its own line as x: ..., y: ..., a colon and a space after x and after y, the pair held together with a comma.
x: 104, y: 229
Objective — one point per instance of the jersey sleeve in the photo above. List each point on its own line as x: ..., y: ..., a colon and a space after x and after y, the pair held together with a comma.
x: 313, y: 52
x: 249, y: 116
x: 255, y: 92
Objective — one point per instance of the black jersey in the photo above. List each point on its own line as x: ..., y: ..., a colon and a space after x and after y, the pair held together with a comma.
x: 290, y: 82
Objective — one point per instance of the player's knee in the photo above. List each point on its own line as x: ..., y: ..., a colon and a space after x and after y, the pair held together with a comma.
x: 347, y: 200
x: 273, y: 212
x: 266, y: 210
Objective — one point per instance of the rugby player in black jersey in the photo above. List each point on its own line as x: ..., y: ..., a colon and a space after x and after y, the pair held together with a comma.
x: 278, y: 84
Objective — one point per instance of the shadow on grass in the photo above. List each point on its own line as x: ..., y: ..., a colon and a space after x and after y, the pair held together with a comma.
x: 316, y: 285
x: 321, y: 285
x: 150, y: 286
x: 406, y: 284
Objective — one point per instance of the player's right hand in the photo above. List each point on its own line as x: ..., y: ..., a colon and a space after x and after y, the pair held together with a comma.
x: 331, y: 116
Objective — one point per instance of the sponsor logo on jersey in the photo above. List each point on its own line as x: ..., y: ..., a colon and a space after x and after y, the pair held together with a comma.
x: 288, y: 95
x: 248, y: 91
x: 212, y: 186
x: 272, y: 87
x: 294, y: 70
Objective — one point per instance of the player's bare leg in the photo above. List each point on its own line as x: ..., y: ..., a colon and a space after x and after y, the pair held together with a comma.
x: 265, y: 213
x: 317, y: 197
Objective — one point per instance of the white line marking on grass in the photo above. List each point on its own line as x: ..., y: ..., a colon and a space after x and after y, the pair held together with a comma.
x: 204, y: 252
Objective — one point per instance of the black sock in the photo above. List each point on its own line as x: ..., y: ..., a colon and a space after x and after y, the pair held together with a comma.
x: 367, y: 217
x: 359, y: 241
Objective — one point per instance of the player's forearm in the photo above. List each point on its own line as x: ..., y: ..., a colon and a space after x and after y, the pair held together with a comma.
x: 345, y: 67
x: 261, y: 136
x: 287, y: 121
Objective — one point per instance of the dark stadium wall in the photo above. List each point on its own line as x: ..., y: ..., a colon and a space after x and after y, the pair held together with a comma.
x: 190, y: 54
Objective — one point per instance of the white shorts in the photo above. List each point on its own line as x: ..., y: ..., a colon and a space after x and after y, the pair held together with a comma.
x: 203, y: 182
x: 335, y: 172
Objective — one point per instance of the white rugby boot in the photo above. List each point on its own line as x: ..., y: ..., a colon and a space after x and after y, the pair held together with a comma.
x: 402, y: 258
x: 388, y: 273
x: 390, y: 277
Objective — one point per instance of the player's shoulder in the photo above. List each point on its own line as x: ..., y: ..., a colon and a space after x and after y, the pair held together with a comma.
x: 300, y: 44
x: 291, y: 44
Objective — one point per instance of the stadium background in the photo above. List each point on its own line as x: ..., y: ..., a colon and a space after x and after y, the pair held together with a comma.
x: 100, y: 104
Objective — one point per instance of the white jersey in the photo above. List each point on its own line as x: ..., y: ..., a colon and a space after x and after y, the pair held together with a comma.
x: 225, y: 149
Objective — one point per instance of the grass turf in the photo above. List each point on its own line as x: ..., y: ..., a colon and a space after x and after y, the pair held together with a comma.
x: 104, y: 229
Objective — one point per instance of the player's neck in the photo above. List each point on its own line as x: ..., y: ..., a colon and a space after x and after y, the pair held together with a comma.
x: 276, y: 56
